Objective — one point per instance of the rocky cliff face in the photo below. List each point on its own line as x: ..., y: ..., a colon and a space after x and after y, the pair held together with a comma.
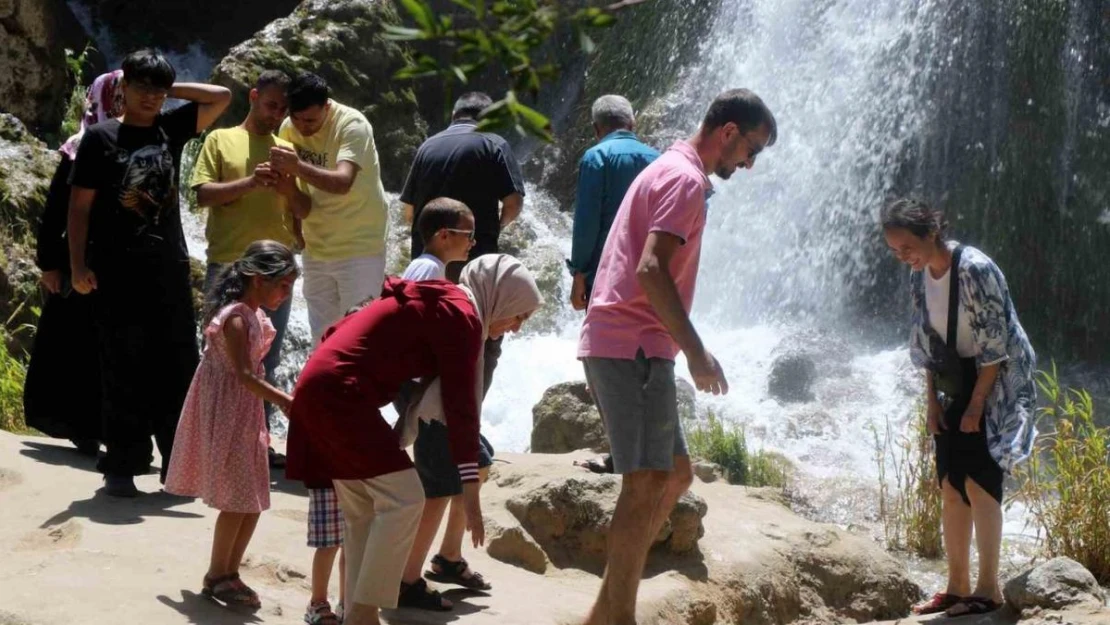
x: 341, y: 40
x: 34, y: 82
x: 26, y: 166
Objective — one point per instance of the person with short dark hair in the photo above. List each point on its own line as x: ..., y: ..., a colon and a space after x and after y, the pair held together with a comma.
x: 475, y: 168
x: 604, y: 174
x: 336, y: 163
x: 446, y: 227
x: 638, y: 321
x: 247, y: 200
x: 979, y: 388
x: 127, y: 243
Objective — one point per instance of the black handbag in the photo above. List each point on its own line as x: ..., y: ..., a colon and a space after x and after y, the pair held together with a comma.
x: 952, y: 375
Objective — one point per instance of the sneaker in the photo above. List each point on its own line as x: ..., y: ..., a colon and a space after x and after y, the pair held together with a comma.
x: 320, y: 613
x: 120, y: 486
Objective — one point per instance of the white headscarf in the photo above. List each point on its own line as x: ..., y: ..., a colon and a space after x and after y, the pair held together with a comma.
x: 500, y: 287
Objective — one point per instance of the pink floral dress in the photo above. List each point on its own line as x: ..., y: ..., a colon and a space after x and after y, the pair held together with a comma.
x: 220, y: 450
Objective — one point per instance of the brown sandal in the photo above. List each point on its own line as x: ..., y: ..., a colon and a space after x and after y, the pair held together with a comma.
x: 940, y: 602
x: 231, y: 591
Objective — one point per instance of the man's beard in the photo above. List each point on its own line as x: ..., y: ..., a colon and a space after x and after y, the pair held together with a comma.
x: 724, y: 174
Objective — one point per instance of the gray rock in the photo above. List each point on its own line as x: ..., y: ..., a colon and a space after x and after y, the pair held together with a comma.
x: 1056, y: 584
x: 708, y: 472
x: 792, y: 377
x: 513, y: 545
x: 34, y: 81
x: 569, y: 518
x: 565, y: 419
x: 26, y: 167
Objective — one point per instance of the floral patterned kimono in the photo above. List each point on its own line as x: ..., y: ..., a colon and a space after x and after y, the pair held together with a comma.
x: 1009, y: 410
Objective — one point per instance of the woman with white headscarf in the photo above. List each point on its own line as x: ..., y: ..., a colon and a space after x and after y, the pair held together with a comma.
x: 65, y: 353
x: 338, y: 436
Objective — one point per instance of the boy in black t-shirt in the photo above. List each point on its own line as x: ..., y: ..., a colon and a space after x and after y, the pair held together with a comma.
x: 126, y: 242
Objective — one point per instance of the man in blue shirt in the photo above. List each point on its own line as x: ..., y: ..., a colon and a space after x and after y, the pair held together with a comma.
x: 604, y: 174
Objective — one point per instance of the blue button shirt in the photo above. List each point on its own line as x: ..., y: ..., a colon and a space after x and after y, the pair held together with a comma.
x: 604, y: 175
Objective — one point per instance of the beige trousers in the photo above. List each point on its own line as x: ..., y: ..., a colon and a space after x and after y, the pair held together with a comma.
x: 382, y: 515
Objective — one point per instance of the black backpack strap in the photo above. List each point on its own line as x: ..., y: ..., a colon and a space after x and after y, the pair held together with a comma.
x: 954, y: 296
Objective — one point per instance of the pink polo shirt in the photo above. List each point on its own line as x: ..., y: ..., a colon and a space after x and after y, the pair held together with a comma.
x: 668, y: 196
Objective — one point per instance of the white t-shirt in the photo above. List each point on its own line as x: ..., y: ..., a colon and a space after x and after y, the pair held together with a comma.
x: 936, y: 303
x: 425, y: 267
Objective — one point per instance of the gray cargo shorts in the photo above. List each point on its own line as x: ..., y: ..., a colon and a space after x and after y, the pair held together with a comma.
x: 638, y: 403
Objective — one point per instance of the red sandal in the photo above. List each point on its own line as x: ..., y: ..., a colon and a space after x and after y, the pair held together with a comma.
x: 231, y: 591
x: 939, y: 603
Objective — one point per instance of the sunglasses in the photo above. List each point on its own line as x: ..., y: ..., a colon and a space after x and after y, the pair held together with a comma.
x: 469, y: 233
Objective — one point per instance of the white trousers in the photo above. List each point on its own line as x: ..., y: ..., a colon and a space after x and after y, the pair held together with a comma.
x: 331, y: 287
x: 382, y: 515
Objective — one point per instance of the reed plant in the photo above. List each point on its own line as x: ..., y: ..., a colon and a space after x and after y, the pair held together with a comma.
x: 909, y: 495
x: 724, y: 444
x: 1066, y: 483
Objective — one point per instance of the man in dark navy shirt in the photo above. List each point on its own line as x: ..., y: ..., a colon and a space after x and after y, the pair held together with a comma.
x: 475, y: 168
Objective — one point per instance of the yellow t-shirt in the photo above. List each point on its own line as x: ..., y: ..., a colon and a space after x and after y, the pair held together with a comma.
x: 351, y: 225
x: 231, y: 154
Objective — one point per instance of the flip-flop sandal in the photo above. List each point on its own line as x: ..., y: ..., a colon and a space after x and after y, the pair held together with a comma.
x: 603, y: 464
x: 455, y: 573
x: 939, y: 603
x: 418, y: 595
x: 229, y: 591
x: 973, y: 605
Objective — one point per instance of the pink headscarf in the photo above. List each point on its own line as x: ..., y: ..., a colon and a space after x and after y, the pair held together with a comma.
x: 103, y: 101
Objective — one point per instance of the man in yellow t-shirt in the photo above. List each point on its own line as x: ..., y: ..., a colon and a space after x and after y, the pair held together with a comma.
x: 336, y: 163
x: 246, y: 198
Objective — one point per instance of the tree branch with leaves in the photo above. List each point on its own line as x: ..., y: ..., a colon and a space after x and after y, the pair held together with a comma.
x: 501, y: 35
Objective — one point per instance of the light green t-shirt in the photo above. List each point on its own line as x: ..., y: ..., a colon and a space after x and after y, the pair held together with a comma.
x: 231, y: 154
x: 351, y: 225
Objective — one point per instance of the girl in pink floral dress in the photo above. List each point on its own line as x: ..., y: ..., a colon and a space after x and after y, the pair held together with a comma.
x: 220, y: 450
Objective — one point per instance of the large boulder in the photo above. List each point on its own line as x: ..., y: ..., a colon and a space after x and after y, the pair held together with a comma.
x: 1056, y: 584
x: 565, y: 419
x: 343, y: 41
x: 801, y: 360
x: 34, y: 79
x: 569, y: 518
x: 26, y: 167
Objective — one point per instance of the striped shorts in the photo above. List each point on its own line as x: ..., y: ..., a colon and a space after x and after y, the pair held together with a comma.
x: 325, y: 519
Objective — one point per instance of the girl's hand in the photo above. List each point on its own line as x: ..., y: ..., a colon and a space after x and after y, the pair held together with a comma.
x: 285, y: 403
x: 934, y: 417
x: 973, y: 416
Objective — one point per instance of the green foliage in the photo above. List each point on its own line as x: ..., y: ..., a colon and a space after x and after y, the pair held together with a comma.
x: 1066, y: 483
x: 503, y: 35
x: 13, y: 373
x: 725, y: 445
x: 910, y: 514
x: 75, y: 106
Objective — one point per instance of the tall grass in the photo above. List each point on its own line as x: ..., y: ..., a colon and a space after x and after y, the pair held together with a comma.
x: 1066, y: 483
x: 13, y: 373
x: 910, y: 508
x: 725, y: 445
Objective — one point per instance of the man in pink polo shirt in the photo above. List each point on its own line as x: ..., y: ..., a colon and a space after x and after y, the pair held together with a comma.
x: 638, y: 321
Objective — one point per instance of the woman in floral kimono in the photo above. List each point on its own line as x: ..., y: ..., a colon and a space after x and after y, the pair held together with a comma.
x: 979, y: 387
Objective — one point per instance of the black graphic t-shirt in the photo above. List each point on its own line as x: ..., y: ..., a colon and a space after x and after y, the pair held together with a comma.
x: 134, y: 171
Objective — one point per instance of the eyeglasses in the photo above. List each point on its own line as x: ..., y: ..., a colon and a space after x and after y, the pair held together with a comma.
x: 148, y: 90
x: 469, y: 233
